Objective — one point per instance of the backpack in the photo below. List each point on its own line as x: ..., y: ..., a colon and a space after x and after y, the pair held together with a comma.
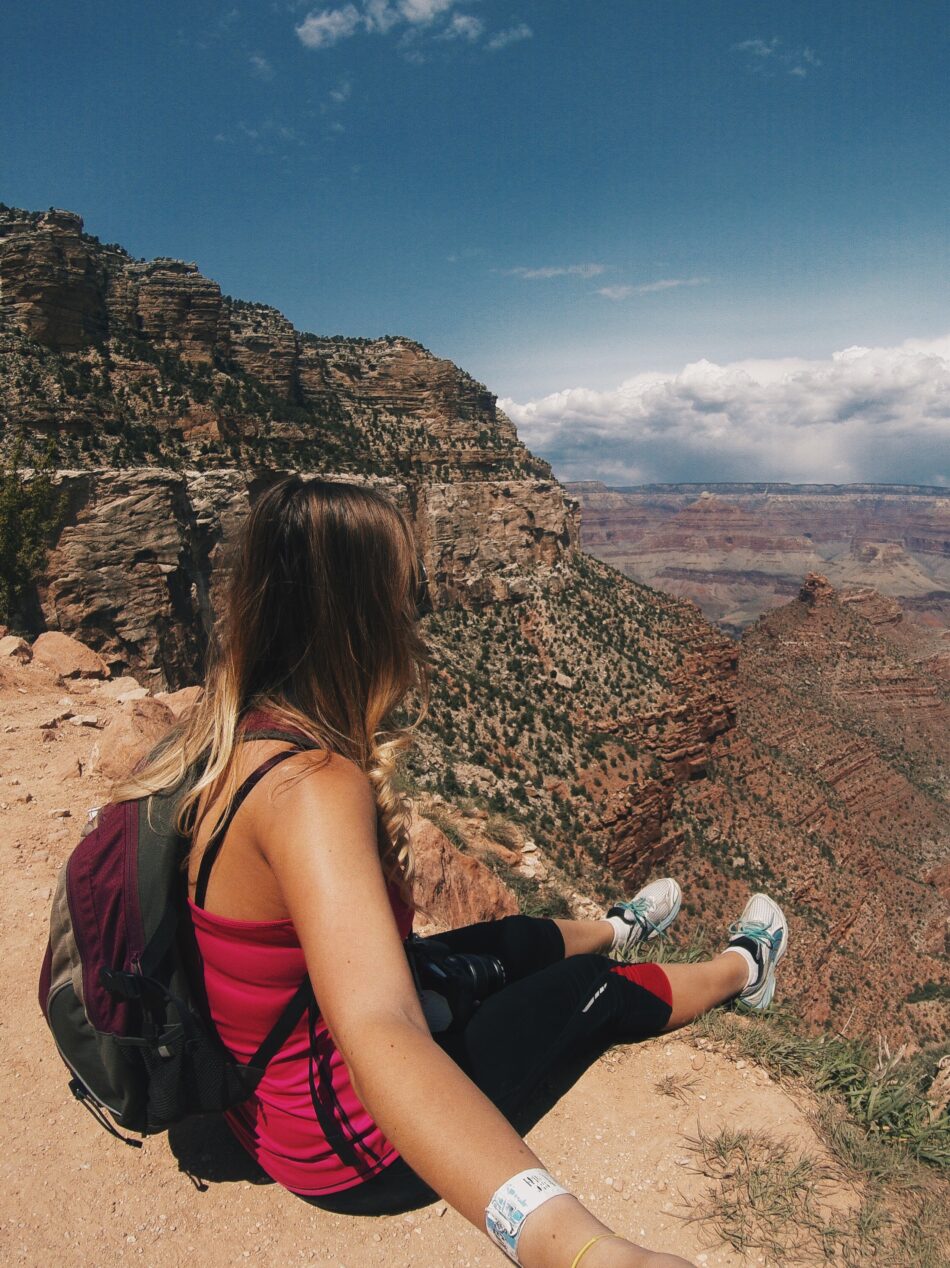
x: 120, y: 984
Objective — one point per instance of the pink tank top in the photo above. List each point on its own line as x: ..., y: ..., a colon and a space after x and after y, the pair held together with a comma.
x: 304, y: 1124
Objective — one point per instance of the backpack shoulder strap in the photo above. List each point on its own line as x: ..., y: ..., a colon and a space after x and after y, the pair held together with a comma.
x: 277, y: 1036
x: 213, y: 848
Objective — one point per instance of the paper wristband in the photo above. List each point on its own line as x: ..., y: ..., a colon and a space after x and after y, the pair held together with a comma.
x: 511, y: 1205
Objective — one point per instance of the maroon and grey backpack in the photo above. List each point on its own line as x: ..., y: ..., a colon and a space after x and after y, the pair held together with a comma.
x: 120, y: 986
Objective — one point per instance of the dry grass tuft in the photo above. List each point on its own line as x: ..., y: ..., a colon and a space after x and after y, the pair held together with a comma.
x: 677, y: 1086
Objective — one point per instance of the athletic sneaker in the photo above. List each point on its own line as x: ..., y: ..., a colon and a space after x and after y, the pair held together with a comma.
x: 763, y: 931
x: 646, y: 915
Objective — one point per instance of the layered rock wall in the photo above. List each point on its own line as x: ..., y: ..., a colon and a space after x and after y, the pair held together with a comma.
x: 739, y: 550
x: 137, y: 569
x: 53, y: 282
x: 152, y: 353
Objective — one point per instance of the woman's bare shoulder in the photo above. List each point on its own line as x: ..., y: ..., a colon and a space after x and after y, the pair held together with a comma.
x: 314, y: 789
x: 322, y: 770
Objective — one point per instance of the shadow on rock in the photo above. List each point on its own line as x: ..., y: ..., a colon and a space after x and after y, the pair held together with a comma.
x: 208, y: 1153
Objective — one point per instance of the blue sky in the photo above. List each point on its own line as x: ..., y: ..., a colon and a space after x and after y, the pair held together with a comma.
x: 559, y: 197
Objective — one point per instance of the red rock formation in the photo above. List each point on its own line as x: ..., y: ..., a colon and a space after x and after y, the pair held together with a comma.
x: 831, y: 792
x: 266, y: 346
x: 131, y: 733
x: 52, y: 280
x: 67, y: 657
x: 178, y: 308
x: 453, y: 889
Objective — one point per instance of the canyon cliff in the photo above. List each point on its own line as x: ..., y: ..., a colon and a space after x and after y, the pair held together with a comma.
x: 605, y: 727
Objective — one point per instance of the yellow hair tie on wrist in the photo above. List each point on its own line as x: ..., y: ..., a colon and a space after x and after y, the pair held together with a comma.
x: 587, y: 1245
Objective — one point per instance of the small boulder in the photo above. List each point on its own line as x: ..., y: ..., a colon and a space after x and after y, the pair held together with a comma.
x: 179, y: 701
x: 117, y: 688
x: 62, y: 714
x: 133, y: 731
x: 68, y: 657
x: 18, y: 648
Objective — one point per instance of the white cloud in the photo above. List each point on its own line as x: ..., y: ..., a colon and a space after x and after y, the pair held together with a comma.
x: 379, y: 16
x: 342, y: 92
x: 322, y: 28
x: 513, y: 35
x: 758, y: 48
x: 266, y: 136
x: 463, y: 27
x: 766, y: 56
x: 424, y: 11
x: 261, y: 67
x: 863, y: 414
x: 328, y: 27
x: 556, y: 270
x: 648, y: 288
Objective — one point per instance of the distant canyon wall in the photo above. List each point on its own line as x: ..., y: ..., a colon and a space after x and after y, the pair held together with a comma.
x: 739, y: 550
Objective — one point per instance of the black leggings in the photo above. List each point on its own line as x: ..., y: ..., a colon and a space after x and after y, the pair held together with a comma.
x: 528, y: 1043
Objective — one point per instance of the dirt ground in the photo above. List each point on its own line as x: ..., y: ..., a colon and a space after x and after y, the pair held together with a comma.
x: 72, y: 1195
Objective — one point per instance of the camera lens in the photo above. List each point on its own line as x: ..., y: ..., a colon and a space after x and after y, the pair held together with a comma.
x: 483, y: 973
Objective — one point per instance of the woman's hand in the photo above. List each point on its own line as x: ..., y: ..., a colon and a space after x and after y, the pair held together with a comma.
x: 617, y: 1252
x: 562, y: 1227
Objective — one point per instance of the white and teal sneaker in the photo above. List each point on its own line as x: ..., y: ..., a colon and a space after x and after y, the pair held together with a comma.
x: 646, y: 915
x: 761, y: 931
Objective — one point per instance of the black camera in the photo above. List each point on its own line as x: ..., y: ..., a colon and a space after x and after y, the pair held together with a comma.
x: 451, y: 984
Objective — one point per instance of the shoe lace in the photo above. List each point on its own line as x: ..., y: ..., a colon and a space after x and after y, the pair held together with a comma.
x: 758, y: 931
x: 638, y: 908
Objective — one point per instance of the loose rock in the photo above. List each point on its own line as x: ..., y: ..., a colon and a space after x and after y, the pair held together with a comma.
x: 68, y: 657
x: 17, y: 648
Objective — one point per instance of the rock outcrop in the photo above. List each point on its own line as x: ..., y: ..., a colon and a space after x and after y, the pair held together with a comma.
x: 453, y: 889
x: 137, y: 570
x: 150, y: 360
x: 175, y: 307
x: 54, y: 281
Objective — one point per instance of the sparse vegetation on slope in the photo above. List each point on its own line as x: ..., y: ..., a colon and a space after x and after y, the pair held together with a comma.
x: 30, y: 513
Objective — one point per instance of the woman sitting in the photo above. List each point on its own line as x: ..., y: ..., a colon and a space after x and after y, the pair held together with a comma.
x: 363, y: 1110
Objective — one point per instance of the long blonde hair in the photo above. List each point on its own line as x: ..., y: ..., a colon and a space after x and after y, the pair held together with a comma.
x: 319, y: 631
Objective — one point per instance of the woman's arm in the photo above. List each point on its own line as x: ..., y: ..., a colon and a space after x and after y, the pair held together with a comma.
x: 318, y: 833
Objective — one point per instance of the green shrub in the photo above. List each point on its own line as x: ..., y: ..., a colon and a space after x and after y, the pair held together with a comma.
x: 31, y: 512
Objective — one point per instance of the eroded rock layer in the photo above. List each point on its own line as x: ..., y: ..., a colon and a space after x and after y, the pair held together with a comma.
x: 131, y: 362
x: 738, y: 550
x: 137, y: 569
